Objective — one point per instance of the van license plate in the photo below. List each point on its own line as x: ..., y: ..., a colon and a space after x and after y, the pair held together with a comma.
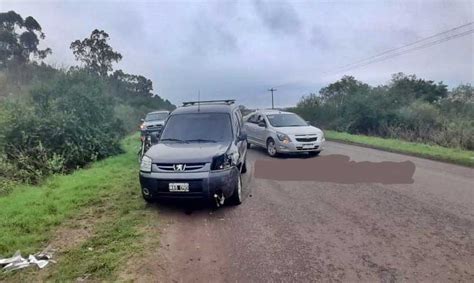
x: 179, y: 187
x: 308, y: 146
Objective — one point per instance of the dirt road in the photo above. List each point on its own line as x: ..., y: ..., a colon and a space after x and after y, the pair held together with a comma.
x: 289, y: 231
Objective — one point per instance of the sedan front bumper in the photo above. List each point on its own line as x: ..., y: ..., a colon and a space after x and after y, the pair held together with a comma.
x: 296, y: 146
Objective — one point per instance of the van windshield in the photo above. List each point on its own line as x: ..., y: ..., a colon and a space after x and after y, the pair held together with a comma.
x: 198, y: 127
x: 286, y: 120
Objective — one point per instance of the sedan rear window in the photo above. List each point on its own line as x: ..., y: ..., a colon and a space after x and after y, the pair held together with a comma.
x: 198, y: 127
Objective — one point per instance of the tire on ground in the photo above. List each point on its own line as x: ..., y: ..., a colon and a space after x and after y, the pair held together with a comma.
x: 236, y: 197
x: 269, y: 142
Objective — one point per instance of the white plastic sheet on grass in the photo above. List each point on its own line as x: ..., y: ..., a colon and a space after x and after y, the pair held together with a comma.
x: 18, y: 262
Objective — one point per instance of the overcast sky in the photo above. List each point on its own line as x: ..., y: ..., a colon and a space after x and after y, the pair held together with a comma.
x: 230, y: 49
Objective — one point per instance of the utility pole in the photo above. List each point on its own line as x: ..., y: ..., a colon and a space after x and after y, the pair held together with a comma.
x: 272, y: 90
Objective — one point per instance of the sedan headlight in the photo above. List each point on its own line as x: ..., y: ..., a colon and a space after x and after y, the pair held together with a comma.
x: 284, y: 138
x: 221, y: 162
x: 145, y: 165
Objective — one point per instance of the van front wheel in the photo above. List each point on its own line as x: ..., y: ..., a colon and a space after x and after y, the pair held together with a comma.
x: 147, y: 196
x: 236, y: 197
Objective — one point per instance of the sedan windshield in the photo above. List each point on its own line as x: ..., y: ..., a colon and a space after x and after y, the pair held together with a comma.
x: 198, y: 127
x: 286, y: 120
x: 156, y: 116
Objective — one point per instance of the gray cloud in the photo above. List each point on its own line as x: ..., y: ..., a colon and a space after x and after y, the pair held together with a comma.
x: 278, y: 16
x: 208, y: 38
x: 319, y: 38
x: 239, y: 49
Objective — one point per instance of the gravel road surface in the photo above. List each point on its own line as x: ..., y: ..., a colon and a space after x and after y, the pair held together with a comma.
x: 301, y: 231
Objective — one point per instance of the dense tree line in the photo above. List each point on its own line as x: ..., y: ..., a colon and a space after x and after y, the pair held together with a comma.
x: 406, y: 108
x: 54, y: 120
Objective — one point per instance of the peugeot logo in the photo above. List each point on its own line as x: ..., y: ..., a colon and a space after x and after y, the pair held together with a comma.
x: 179, y: 167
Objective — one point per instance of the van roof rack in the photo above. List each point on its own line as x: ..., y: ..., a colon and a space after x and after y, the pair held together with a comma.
x: 223, y: 101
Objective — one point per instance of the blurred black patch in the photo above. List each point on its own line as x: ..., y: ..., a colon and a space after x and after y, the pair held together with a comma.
x: 335, y: 169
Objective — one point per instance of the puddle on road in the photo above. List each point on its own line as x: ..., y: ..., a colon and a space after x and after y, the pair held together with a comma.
x: 336, y: 169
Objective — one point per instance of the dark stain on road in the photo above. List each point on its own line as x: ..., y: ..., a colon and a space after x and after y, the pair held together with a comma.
x: 335, y: 168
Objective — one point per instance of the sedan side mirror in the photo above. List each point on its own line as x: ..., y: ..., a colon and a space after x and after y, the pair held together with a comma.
x: 262, y: 123
x: 142, y: 120
x: 308, y: 122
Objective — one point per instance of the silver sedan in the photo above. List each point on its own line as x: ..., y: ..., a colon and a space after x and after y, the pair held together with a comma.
x: 283, y: 132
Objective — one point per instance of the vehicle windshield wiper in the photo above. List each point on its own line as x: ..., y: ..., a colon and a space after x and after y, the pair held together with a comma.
x: 172, y: 139
x: 200, y: 140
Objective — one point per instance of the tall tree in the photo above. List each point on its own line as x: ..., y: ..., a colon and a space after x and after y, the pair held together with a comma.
x: 19, y: 39
x: 463, y: 93
x: 337, y: 92
x: 95, y: 52
x: 405, y: 89
x: 137, y: 84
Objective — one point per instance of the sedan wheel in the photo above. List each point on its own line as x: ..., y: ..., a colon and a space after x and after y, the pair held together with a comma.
x: 271, y: 148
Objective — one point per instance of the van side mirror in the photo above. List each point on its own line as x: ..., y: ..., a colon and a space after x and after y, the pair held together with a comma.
x: 242, y: 136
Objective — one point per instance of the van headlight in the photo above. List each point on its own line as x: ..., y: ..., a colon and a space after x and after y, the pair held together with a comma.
x: 145, y: 165
x: 284, y: 138
x: 221, y: 162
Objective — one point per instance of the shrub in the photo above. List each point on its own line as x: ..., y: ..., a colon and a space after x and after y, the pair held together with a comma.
x: 68, y: 123
x: 407, y: 108
x: 7, y: 176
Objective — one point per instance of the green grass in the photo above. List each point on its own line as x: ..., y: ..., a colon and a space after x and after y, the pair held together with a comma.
x: 451, y: 155
x: 109, y: 248
x: 30, y: 215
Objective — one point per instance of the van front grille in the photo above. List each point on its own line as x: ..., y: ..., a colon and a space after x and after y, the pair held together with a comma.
x: 175, y: 167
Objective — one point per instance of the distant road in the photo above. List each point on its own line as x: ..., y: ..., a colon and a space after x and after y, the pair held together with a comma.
x: 309, y: 231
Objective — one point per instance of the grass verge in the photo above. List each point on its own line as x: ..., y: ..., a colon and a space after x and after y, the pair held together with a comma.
x: 30, y: 215
x: 451, y: 155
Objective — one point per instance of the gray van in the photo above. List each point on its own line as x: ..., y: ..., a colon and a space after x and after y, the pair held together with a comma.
x: 200, y: 154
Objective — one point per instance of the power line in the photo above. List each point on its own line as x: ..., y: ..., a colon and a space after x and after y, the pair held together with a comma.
x: 390, y: 53
x: 407, y: 51
x: 388, y: 56
x: 410, y: 44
